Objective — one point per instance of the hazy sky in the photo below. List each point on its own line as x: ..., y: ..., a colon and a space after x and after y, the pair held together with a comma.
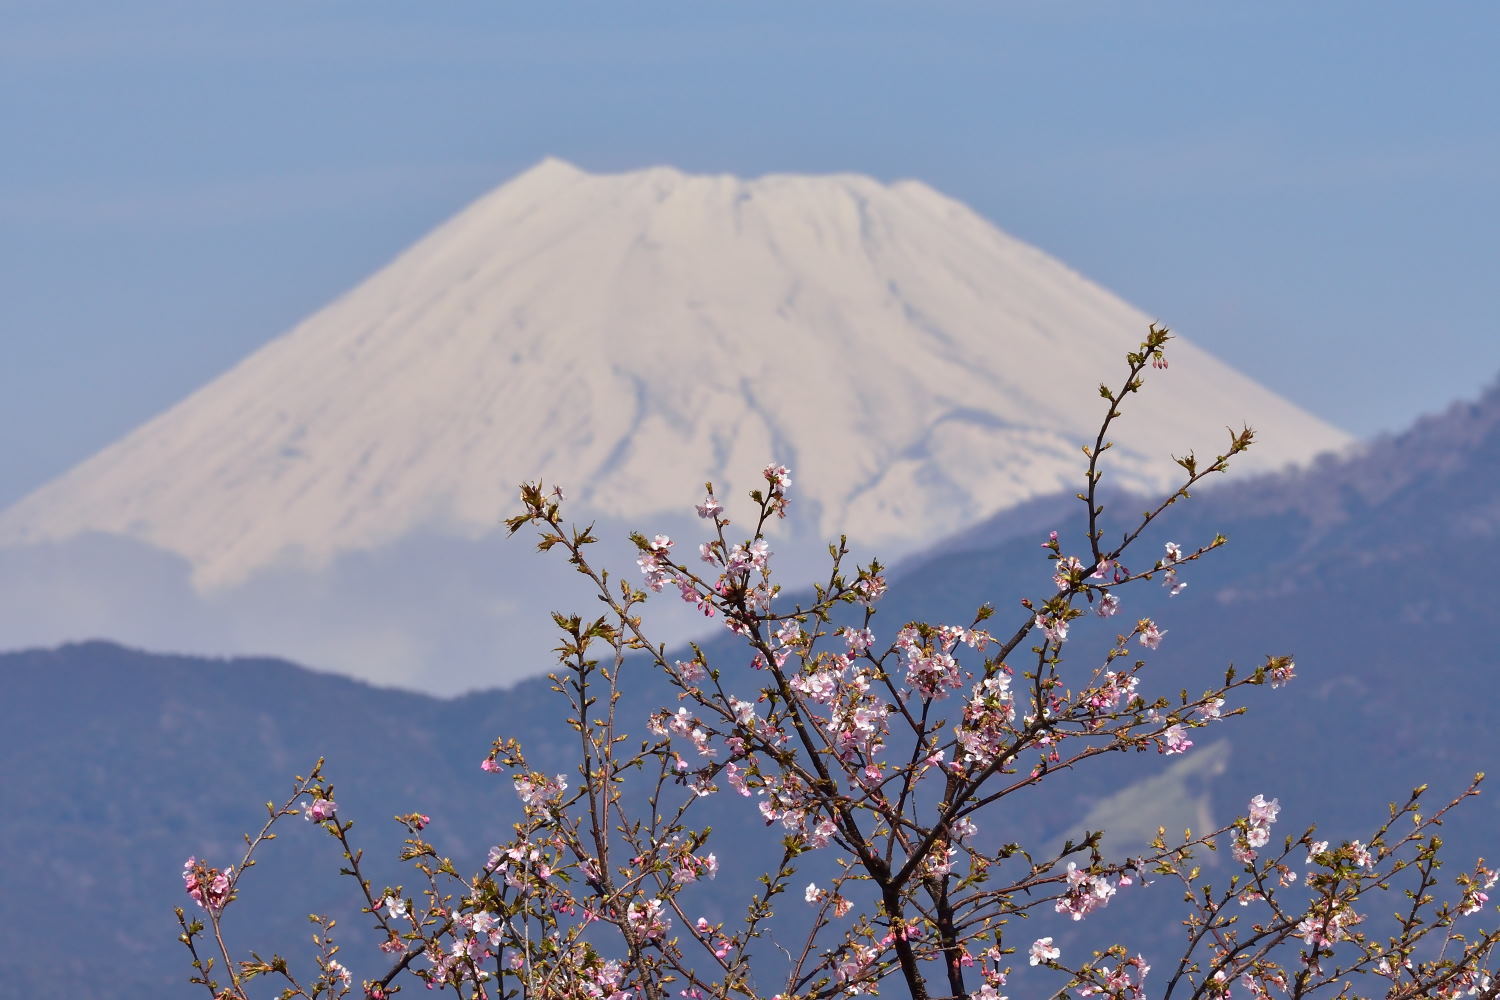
x: 1307, y: 189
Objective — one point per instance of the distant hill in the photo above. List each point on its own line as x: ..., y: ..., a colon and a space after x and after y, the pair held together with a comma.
x: 1371, y: 570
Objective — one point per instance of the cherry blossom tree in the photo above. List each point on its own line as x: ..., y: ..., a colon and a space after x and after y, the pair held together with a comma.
x: 874, y: 754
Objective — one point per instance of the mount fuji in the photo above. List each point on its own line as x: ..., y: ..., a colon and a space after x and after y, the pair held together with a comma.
x: 335, y: 496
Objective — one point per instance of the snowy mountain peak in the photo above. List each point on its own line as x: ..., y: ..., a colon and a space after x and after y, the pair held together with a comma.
x: 633, y: 335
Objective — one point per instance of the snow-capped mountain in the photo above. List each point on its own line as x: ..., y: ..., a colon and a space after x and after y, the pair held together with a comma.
x: 630, y: 336
x: 633, y: 335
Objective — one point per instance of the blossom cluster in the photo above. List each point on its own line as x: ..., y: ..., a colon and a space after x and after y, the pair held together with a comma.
x: 209, y: 887
x: 1257, y: 831
x: 1087, y: 892
x: 885, y: 752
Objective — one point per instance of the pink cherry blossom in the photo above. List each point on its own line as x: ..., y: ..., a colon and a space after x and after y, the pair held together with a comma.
x: 870, y: 589
x: 208, y: 887
x: 1282, y: 673
x: 649, y: 918
x: 1042, y: 951
x: 1175, y: 740
x: 320, y: 810
x: 1151, y: 633
x: 710, y: 507
x: 1264, y: 812
x: 1053, y: 627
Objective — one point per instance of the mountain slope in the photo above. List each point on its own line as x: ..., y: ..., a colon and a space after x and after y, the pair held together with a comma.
x: 121, y: 763
x: 631, y: 336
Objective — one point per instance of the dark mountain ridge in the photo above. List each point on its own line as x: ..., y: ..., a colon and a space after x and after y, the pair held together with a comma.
x: 1368, y: 568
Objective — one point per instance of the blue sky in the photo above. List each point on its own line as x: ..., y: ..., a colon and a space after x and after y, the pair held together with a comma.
x: 1309, y: 190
